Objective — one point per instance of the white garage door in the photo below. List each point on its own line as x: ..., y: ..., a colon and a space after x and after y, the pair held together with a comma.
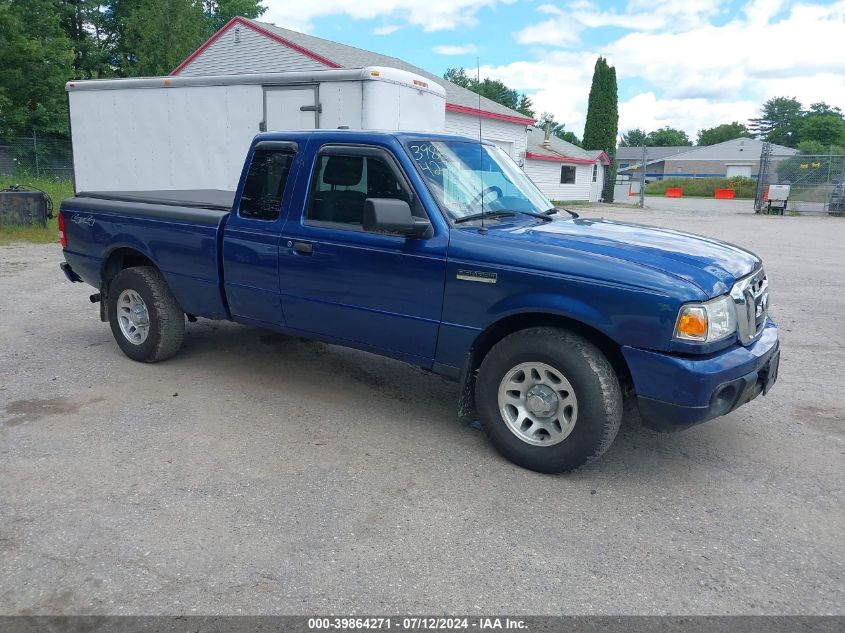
x: 734, y: 171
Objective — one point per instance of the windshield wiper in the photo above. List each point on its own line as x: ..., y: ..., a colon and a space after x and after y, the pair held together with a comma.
x: 542, y: 216
x: 554, y: 210
x: 485, y: 215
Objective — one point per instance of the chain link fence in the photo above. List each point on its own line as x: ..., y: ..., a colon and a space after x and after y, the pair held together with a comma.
x: 815, y: 181
x: 35, y: 157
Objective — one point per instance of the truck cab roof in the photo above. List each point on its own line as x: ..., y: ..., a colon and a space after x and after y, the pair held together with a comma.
x: 346, y: 136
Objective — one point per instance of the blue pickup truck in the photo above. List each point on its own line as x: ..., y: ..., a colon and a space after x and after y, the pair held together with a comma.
x: 437, y: 250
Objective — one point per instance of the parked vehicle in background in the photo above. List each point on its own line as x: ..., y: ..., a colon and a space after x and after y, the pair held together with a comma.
x: 438, y: 251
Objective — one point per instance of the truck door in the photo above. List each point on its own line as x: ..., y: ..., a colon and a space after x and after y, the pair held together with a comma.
x: 380, y: 291
x: 251, y: 235
x: 291, y: 108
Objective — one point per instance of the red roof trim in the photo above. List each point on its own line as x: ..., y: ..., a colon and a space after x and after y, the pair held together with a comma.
x: 453, y: 107
x: 560, y: 159
x: 244, y: 22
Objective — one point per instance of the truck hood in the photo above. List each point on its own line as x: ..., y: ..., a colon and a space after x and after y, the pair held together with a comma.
x: 709, y: 264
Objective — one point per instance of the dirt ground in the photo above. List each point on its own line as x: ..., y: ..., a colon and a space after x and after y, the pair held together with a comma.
x: 256, y: 473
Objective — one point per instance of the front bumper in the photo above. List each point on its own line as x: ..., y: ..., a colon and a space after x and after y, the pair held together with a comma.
x: 675, y: 392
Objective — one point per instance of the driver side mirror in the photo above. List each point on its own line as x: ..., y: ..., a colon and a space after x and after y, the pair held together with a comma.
x: 389, y: 215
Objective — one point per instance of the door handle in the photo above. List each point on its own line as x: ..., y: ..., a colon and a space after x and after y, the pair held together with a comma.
x: 303, y: 248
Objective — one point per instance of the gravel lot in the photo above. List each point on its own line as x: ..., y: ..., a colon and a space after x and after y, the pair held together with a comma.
x: 255, y: 473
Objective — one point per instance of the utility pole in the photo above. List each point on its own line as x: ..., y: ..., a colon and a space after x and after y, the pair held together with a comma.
x: 642, y: 178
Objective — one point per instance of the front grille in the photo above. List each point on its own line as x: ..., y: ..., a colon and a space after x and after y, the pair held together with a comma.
x: 751, y: 296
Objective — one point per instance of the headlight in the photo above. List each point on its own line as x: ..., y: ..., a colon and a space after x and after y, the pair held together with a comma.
x: 706, y: 322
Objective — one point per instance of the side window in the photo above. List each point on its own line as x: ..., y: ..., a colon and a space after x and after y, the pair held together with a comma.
x: 567, y: 175
x: 265, y: 184
x: 341, y: 184
x: 595, y: 172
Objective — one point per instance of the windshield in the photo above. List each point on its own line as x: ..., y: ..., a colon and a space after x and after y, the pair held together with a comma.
x: 464, y: 175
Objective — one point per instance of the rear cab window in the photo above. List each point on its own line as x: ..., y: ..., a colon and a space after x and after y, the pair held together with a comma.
x: 266, y: 179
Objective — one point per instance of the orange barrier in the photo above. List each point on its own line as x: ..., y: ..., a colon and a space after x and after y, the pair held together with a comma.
x: 725, y: 194
x: 674, y: 192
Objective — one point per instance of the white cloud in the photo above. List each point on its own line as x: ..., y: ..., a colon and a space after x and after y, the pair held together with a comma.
x: 434, y: 15
x: 386, y: 30
x: 563, y: 29
x: 693, y: 73
x: 646, y: 111
x: 450, y: 49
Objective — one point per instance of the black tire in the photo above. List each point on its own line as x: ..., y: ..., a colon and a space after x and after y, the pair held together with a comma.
x: 166, y: 319
x: 593, y: 381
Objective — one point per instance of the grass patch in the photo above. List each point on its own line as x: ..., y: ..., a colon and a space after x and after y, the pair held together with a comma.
x: 58, y: 190
x: 703, y: 187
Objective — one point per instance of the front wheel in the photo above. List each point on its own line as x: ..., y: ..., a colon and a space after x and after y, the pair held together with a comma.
x: 548, y: 399
x: 145, y: 318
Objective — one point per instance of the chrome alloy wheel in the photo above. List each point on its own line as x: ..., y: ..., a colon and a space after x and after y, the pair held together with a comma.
x: 538, y: 404
x: 133, y: 317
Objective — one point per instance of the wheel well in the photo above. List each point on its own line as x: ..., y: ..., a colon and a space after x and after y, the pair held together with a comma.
x: 500, y: 329
x: 120, y: 259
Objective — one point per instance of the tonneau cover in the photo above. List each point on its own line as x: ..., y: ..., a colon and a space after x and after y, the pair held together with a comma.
x: 217, y: 199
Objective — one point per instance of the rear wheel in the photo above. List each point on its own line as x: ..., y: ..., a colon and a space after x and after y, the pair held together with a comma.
x: 548, y: 399
x: 146, y: 321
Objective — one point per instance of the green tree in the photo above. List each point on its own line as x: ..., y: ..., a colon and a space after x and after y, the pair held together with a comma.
x: 219, y: 12
x: 602, y: 124
x: 84, y: 24
x: 667, y: 137
x: 492, y: 89
x: 633, y: 138
x: 826, y: 129
x: 161, y: 33
x: 525, y: 106
x: 722, y: 133
x: 822, y: 108
x: 36, y: 58
x: 779, y: 121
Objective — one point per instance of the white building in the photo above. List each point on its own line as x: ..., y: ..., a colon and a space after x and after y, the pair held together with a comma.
x: 247, y: 46
x: 564, y: 171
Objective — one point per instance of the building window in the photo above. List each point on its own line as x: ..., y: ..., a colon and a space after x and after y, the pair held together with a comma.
x: 567, y: 175
x: 595, y: 172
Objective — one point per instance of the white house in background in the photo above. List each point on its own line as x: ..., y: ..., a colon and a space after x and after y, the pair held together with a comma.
x: 246, y: 46
x: 564, y: 171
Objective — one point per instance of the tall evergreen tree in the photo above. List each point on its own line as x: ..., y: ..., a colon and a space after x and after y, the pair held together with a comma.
x: 602, y: 122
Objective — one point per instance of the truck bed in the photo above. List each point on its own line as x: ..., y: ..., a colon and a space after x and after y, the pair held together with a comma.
x: 180, y: 231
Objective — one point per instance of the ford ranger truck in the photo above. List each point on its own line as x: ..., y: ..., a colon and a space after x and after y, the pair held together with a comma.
x: 438, y: 251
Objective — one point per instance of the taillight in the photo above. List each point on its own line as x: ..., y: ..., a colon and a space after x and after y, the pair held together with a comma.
x: 62, y: 234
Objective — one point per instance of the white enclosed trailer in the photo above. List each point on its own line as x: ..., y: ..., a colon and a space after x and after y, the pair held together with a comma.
x: 193, y: 132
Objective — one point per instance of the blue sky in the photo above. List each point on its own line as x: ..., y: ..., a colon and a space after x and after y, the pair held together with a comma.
x: 685, y: 63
